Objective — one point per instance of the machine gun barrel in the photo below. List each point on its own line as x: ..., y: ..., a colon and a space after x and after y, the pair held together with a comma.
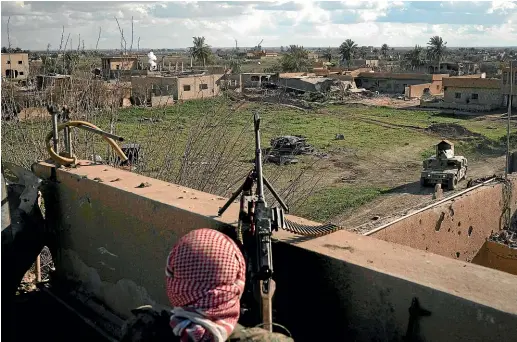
x: 258, y: 161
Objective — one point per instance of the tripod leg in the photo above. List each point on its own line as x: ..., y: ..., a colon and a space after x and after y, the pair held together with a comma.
x: 275, y: 195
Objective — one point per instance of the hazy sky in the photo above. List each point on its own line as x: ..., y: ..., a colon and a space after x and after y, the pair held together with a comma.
x: 33, y: 25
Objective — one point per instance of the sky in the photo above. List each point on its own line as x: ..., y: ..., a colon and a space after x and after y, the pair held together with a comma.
x: 34, y: 25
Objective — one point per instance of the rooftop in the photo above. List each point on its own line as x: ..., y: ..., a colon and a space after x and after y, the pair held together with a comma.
x: 481, y: 83
x: 403, y: 76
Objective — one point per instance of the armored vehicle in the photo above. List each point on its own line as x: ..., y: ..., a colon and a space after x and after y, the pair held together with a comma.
x: 444, y: 168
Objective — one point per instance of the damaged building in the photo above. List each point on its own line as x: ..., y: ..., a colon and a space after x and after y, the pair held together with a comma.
x: 307, y: 83
x: 164, y: 90
x: 388, y: 82
x: 15, y: 66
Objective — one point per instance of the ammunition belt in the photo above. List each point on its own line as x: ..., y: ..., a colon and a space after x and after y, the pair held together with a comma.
x: 306, y: 230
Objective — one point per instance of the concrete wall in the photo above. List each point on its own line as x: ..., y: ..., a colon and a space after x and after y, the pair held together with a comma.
x: 312, y: 84
x: 417, y: 90
x: 162, y: 101
x: 497, y: 256
x: 253, y: 80
x: 198, y: 87
x: 457, y: 228
x: 389, y: 83
x: 114, y: 237
x: 490, y: 97
x: 17, y: 64
x: 143, y: 88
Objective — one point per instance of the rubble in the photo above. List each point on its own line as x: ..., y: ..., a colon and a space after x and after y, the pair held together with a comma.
x: 284, y: 148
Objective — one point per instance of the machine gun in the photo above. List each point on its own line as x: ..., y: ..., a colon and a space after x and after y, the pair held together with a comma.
x: 256, y: 224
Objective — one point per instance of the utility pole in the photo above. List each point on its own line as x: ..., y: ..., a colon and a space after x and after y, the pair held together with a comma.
x: 511, y: 79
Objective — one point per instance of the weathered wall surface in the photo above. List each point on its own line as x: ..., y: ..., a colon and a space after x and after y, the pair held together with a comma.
x: 198, y: 87
x: 115, y: 237
x: 417, y: 90
x: 497, y: 256
x: 455, y: 229
x: 490, y: 97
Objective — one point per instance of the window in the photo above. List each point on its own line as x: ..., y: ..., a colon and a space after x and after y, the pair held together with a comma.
x: 505, y: 77
x: 203, y: 86
x: 437, y: 87
x: 21, y: 73
x: 117, y: 66
x: 186, y: 87
x: 255, y: 78
x: 445, y: 88
x: 8, y: 62
x: 20, y: 62
x: 457, y: 95
x: 474, y: 96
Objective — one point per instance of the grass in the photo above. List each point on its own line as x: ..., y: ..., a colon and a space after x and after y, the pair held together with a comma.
x: 332, y: 201
x: 215, y: 129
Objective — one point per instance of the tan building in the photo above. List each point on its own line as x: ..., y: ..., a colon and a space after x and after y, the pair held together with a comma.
x: 15, y: 66
x: 469, y: 94
x: 473, y: 91
x: 114, y: 65
x: 505, y: 85
x: 167, y: 89
x: 434, y: 88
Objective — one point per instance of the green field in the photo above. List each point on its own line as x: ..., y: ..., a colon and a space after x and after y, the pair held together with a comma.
x: 208, y: 145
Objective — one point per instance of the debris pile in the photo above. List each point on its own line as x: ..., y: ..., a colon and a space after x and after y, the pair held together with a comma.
x: 284, y: 148
x: 450, y: 130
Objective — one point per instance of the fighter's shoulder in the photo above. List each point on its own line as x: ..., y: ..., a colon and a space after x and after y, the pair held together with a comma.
x: 242, y: 334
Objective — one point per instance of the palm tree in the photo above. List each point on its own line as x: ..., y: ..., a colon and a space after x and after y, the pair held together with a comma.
x: 384, y: 50
x: 414, y: 57
x: 200, y: 51
x: 436, y: 49
x: 328, y: 54
x: 347, y: 50
x: 295, y: 59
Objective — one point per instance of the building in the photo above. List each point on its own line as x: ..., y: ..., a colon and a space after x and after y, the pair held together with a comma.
x: 54, y: 81
x: 307, y: 83
x: 112, y: 66
x: 359, y: 63
x: 15, y: 66
x: 255, y: 79
x: 434, y: 88
x: 469, y: 94
x: 167, y: 89
x: 505, y: 85
x: 388, y: 82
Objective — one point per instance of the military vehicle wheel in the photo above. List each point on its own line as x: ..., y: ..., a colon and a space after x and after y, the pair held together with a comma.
x: 452, y: 183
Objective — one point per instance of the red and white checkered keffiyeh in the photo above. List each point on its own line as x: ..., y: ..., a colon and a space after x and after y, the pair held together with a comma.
x: 205, y: 276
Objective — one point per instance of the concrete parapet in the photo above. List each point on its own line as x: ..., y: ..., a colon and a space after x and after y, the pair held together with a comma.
x: 457, y: 228
x: 115, y: 229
